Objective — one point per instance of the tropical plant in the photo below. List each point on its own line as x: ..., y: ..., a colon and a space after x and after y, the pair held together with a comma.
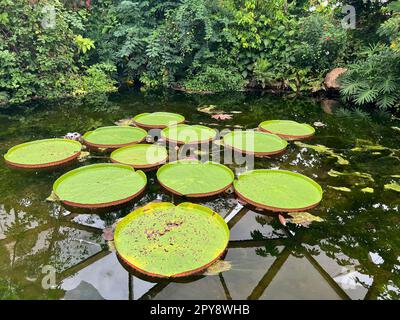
x: 40, y: 50
x: 375, y: 77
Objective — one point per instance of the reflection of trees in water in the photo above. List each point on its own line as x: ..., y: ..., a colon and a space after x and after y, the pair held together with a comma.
x: 349, y: 237
x: 25, y: 251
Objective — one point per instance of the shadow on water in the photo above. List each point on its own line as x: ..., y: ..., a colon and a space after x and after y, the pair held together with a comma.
x: 353, y: 254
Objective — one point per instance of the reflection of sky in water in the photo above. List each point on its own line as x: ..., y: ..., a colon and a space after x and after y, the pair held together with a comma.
x: 353, y: 254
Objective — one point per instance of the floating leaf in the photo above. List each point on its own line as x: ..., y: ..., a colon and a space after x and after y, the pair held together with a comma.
x: 43, y: 153
x: 217, y: 267
x: 186, y: 134
x: 99, y: 185
x: 325, y: 150
x: 367, y: 190
x: 141, y: 156
x: 52, y: 197
x: 83, y: 156
x: 366, y: 145
x: 114, y: 137
x: 193, y: 178
x: 164, y: 240
x: 158, y: 120
x: 392, y: 186
x: 344, y: 189
x: 287, y: 129
x: 208, y: 109
x: 303, y: 218
x: 125, y: 122
x: 254, y: 142
x: 111, y: 246
x: 334, y: 173
x: 278, y: 190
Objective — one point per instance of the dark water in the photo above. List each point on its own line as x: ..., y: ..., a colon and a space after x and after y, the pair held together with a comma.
x: 353, y: 254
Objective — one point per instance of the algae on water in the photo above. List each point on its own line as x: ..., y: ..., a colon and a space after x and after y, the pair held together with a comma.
x: 324, y: 150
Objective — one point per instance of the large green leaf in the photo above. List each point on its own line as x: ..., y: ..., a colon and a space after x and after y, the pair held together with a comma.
x: 278, y: 190
x: 193, y: 178
x: 256, y: 142
x: 42, y: 152
x: 164, y: 240
x: 99, y: 185
x: 287, y: 128
x: 140, y: 155
x: 186, y: 134
x: 114, y: 136
x: 158, y: 119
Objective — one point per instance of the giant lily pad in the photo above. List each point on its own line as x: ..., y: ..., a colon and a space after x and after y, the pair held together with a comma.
x: 278, y: 190
x: 141, y: 156
x: 254, y: 142
x: 287, y: 129
x: 99, y: 185
x: 114, y: 137
x: 192, y: 178
x: 158, y: 120
x: 186, y: 134
x: 43, y: 153
x: 163, y: 240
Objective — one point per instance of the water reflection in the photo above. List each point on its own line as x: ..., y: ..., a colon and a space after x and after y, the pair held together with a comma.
x: 353, y: 254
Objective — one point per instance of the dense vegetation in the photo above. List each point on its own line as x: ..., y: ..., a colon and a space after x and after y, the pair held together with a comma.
x: 59, y: 48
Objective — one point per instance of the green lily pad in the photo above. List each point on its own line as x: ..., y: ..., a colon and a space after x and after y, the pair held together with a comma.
x: 278, y: 190
x: 114, y: 137
x: 186, y: 134
x: 254, y: 142
x: 43, y: 153
x: 158, y: 120
x: 163, y: 240
x: 192, y: 178
x: 141, y: 156
x: 99, y: 185
x: 287, y: 129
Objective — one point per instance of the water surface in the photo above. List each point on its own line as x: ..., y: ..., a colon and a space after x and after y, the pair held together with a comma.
x: 354, y: 254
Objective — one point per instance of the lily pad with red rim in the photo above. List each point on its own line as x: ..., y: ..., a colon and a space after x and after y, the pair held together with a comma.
x: 278, y: 190
x: 254, y: 142
x: 167, y: 241
x: 141, y: 156
x: 158, y: 120
x: 99, y: 185
x: 192, y: 178
x: 186, y: 134
x: 114, y: 137
x: 287, y: 129
x: 43, y: 153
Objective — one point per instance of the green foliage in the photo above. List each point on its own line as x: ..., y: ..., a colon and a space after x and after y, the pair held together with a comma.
x: 198, y: 45
x: 39, y: 56
x: 307, y: 49
x: 84, y: 44
x: 375, y: 77
x: 216, y: 79
x: 95, y: 79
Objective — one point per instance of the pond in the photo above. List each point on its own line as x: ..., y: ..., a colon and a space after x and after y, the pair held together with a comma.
x: 353, y: 254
